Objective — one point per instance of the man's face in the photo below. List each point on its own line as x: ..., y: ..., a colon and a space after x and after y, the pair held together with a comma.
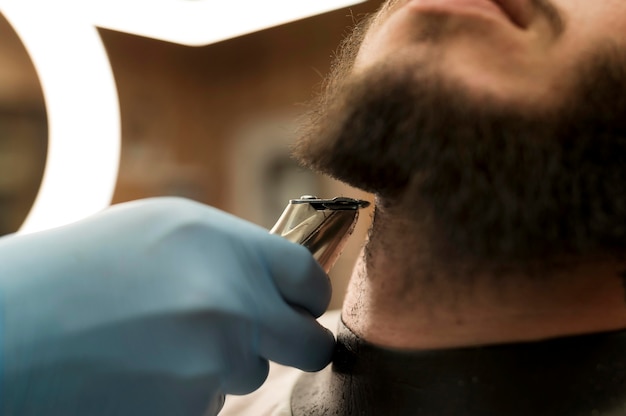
x: 522, y: 51
x: 502, y: 130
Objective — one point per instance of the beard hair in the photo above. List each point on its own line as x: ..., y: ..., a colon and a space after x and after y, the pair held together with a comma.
x: 492, y: 183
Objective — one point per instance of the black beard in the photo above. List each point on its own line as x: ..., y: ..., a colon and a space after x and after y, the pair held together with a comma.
x: 496, y: 182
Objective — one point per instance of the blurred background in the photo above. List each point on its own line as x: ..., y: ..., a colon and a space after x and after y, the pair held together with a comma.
x: 210, y: 123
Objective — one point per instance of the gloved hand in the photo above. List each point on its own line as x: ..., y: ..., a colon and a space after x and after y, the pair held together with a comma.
x: 156, y: 307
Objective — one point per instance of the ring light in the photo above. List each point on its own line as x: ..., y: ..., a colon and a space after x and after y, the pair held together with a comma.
x: 202, y: 22
x: 79, y: 89
x: 83, y: 112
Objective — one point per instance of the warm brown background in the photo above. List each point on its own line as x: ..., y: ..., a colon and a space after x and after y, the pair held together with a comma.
x: 210, y: 123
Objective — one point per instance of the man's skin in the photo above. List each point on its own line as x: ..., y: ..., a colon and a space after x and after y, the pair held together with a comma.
x: 524, y: 58
x: 493, y: 136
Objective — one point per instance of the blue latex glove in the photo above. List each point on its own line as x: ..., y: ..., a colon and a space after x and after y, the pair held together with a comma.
x: 156, y: 307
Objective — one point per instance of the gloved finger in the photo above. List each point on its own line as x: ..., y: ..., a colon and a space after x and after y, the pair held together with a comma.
x: 298, y: 276
x: 247, y: 376
x: 216, y: 403
x: 295, y: 339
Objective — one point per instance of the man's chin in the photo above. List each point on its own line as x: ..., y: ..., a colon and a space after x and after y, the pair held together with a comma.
x: 498, y: 181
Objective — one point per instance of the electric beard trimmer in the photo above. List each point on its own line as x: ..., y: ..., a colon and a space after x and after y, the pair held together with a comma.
x: 321, y: 225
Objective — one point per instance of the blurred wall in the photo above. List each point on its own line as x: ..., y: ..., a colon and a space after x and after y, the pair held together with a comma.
x: 210, y: 123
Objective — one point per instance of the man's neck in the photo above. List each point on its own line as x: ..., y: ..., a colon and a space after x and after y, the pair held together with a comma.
x: 581, y: 375
x: 392, y: 305
x: 419, y: 337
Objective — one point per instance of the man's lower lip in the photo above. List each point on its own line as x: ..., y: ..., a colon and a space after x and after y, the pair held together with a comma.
x: 480, y: 7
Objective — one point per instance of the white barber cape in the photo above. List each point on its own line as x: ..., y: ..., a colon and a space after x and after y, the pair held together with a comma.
x: 274, y: 397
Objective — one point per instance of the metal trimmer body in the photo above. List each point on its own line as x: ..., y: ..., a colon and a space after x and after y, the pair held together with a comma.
x: 321, y: 225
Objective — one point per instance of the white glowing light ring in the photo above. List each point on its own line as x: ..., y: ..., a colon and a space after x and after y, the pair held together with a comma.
x: 79, y: 89
x: 83, y: 111
x: 202, y: 22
